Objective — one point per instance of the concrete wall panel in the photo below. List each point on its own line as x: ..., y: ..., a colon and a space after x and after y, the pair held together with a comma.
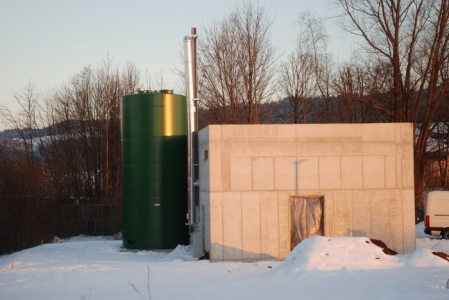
x: 215, y: 178
x: 269, y: 213
x: 351, y: 172
x: 225, y: 167
x: 241, y: 173
x: 307, y: 173
x: 285, y: 173
x: 338, y: 132
x: 343, y: 212
x: 232, y: 226
x: 408, y: 202
x: 361, y: 213
x: 407, y: 166
x: 379, y: 149
x: 364, y: 172
x: 379, y: 132
x: 329, y: 172
x: 352, y: 149
x: 263, y: 173
x: 287, y: 132
x: 373, y: 172
x: 390, y: 172
x: 251, y: 225
x: 284, y: 225
x: 215, y: 222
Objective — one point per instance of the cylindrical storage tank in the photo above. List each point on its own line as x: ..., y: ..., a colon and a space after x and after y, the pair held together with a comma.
x: 154, y: 170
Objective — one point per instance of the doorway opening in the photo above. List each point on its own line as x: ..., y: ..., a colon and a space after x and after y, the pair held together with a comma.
x: 306, y: 218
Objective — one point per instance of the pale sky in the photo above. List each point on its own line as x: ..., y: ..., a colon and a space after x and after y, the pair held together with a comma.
x: 48, y: 41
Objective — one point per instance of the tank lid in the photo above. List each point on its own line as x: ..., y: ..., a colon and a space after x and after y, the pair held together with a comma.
x: 166, y: 91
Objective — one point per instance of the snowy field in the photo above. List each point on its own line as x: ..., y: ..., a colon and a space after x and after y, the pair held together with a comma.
x: 319, y: 268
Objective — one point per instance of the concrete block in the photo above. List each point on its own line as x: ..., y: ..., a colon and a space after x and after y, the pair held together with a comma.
x: 205, y: 219
x: 307, y: 176
x: 204, y: 169
x: 352, y: 149
x: 241, y: 148
x: 398, y: 166
x: 216, y: 226
x: 287, y: 132
x: 380, y: 216
x: 351, y: 172
x: 225, y: 167
x: 251, y: 132
x: 379, y: 132
x: 232, y: 226
x: 390, y: 171
x: 343, y: 212
x: 203, y: 135
x: 379, y: 149
x: 407, y: 166
x: 241, y: 173
x: 269, y: 211
x: 373, y: 172
x: 237, y: 132
x: 397, y: 237
x: 285, y: 148
x: 214, y: 133
x: 225, y: 132
x: 407, y: 132
x: 398, y: 133
x: 268, y: 131
x: 361, y: 213
x: 327, y: 149
x: 263, y: 173
x: 251, y: 225
x: 284, y: 225
x: 304, y: 149
x: 285, y: 173
x: 215, y: 166
x: 341, y: 132
x: 265, y: 148
x: 361, y: 221
x: 361, y: 198
x: 329, y: 172
x: 408, y: 198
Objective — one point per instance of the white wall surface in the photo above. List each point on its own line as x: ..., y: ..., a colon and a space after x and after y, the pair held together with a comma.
x: 364, y: 172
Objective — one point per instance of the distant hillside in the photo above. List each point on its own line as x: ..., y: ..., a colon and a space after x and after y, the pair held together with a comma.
x: 14, y: 134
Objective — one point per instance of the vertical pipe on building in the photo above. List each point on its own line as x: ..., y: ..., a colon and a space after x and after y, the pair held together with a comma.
x: 190, y: 80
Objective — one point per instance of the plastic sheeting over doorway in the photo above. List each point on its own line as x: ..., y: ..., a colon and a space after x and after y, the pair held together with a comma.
x: 307, y: 217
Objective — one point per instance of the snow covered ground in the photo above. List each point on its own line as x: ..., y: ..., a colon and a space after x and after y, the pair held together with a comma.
x: 319, y: 267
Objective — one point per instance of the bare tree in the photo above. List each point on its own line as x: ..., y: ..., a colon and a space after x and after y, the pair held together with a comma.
x: 362, y: 87
x: 84, y: 144
x: 26, y: 120
x: 313, y: 34
x: 236, y: 65
x: 411, y: 36
x: 296, y: 83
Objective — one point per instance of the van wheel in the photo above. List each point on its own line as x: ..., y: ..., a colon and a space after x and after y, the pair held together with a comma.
x: 445, y: 234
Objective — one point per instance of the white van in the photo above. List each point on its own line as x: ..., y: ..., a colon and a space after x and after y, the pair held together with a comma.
x: 437, y: 214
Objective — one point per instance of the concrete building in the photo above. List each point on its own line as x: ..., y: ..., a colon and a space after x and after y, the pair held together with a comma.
x: 249, y: 174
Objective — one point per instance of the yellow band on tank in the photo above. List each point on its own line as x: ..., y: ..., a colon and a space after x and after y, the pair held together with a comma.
x: 168, y: 117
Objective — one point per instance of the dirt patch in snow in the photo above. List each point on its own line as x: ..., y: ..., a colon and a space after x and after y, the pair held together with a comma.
x: 388, y: 251
x: 441, y: 254
x: 384, y: 247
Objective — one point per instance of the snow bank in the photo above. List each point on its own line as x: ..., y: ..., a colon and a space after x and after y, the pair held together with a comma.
x: 335, y: 253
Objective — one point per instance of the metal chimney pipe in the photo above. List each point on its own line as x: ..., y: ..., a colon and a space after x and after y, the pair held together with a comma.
x: 190, y: 80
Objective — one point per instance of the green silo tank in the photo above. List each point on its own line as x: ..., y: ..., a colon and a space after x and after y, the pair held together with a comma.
x: 154, y: 170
